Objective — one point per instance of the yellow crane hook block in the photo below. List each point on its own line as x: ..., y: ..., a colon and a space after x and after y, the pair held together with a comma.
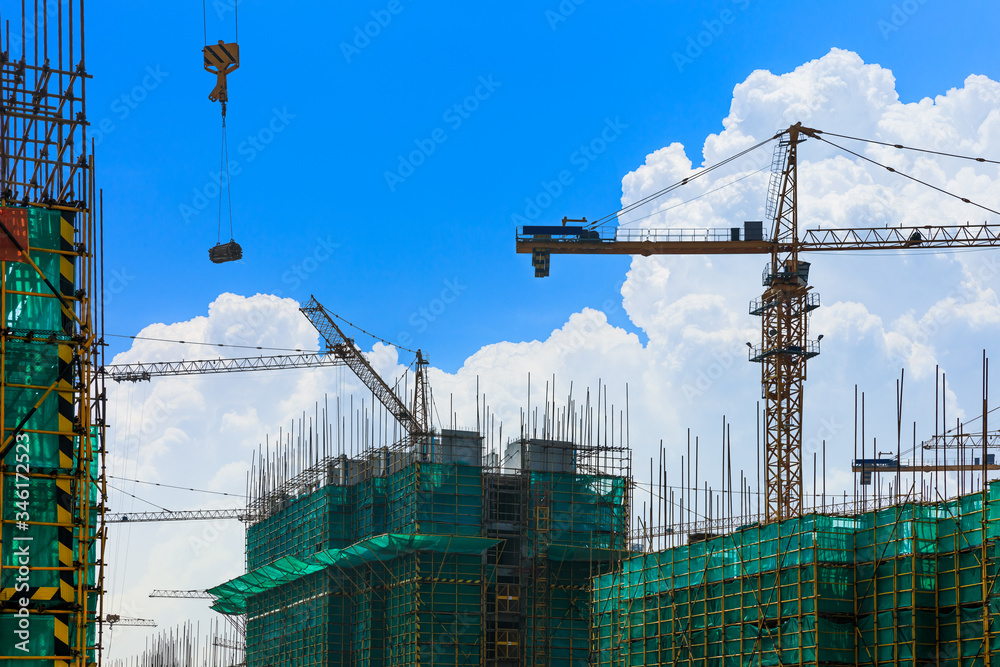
x: 221, y: 59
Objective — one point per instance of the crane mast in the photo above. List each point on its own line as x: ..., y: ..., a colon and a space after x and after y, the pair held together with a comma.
x: 785, y: 347
x: 420, y: 399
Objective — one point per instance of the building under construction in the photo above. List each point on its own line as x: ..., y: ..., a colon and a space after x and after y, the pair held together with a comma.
x: 430, y: 553
x: 439, y: 551
x: 910, y: 584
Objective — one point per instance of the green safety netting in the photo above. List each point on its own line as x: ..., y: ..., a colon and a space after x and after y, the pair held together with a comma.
x: 585, y: 513
x: 566, y: 553
x: 387, y: 547
x: 404, y: 579
x: 32, y: 367
x: 29, y: 367
x: 906, y: 585
x: 231, y: 597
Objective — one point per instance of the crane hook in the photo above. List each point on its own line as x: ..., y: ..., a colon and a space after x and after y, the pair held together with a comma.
x: 221, y: 59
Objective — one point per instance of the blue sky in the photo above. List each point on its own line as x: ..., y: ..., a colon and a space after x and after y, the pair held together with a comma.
x: 346, y: 114
x: 626, y: 97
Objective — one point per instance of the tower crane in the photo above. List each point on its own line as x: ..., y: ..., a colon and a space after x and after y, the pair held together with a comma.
x: 238, y: 621
x: 963, y: 440
x: 340, y: 350
x: 185, y: 595
x: 787, y: 300
x: 960, y: 440
x: 228, y: 643
x: 116, y: 621
x: 182, y: 515
x: 139, y: 372
x: 414, y: 419
x: 893, y: 465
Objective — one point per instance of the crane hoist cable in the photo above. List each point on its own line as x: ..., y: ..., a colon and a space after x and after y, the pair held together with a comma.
x: 223, y: 59
x: 910, y: 148
x: 819, y: 135
x: 659, y: 193
x: 912, y: 178
x: 224, y: 169
x: 370, y: 334
x: 181, y: 488
x: 143, y: 500
x: 688, y: 201
x: 198, y: 342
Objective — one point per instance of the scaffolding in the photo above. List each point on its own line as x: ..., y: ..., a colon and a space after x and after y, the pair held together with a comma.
x: 430, y: 551
x: 218, y: 646
x: 449, y: 550
x: 52, y: 490
x: 909, y: 584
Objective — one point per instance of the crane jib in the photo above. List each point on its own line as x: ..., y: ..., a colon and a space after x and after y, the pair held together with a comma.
x: 344, y: 348
x: 727, y: 241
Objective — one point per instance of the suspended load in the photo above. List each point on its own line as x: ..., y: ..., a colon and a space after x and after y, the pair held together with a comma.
x: 223, y: 59
x: 225, y: 252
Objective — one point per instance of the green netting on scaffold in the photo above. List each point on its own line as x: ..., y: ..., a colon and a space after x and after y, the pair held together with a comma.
x: 436, y: 498
x: 232, y: 596
x: 582, y: 511
x: 319, y: 520
x: 909, y: 585
x: 30, y: 367
x: 304, y: 623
